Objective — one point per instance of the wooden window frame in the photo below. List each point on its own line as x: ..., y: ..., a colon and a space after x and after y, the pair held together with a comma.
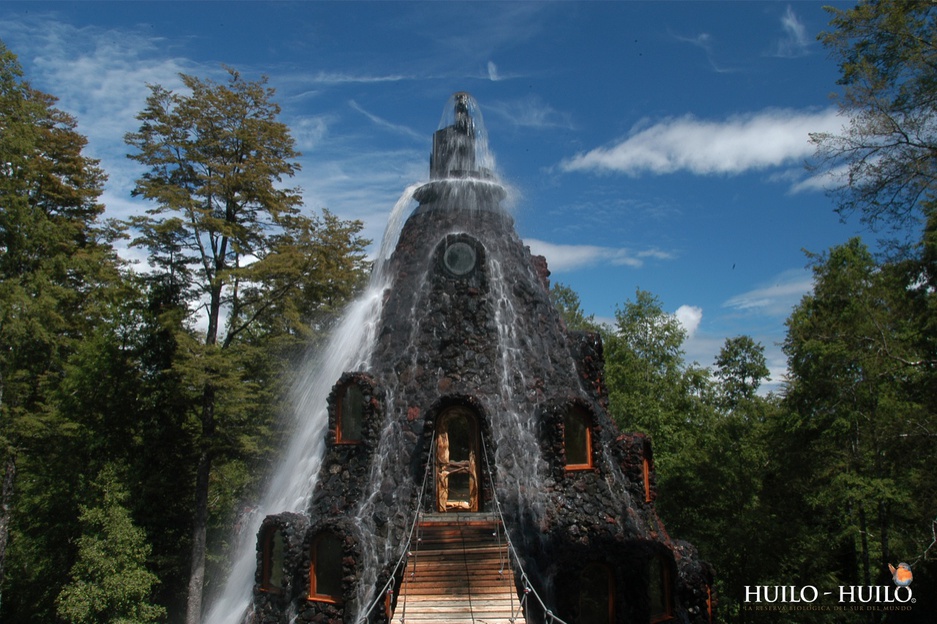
x: 578, y: 412
x: 646, y: 469
x: 313, y: 594
x: 268, y: 561
x: 339, y: 416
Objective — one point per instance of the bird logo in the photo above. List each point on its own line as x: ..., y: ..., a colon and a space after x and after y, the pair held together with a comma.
x: 901, y: 575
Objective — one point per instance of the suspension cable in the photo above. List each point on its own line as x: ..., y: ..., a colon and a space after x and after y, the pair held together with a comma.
x: 512, y: 552
x: 405, y: 554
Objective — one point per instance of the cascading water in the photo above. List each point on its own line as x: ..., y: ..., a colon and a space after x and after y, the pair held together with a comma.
x: 349, y: 347
x: 456, y: 357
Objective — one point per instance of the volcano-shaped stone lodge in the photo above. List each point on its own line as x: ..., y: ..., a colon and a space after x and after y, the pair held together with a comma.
x: 471, y: 471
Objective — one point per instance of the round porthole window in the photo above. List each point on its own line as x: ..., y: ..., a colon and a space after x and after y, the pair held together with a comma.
x: 459, y: 258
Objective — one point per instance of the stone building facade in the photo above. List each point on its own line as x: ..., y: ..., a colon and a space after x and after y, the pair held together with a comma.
x: 477, y: 400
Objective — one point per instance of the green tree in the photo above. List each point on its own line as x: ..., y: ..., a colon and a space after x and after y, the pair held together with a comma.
x: 850, y: 364
x: 567, y: 302
x: 230, y: 239
x: 887, y: 52
x: 109, y: 580
x: 740, y: 368
x: 56, y: 265
x: 645, y: 369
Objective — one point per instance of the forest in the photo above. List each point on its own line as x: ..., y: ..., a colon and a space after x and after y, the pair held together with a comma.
x: 139, y: 408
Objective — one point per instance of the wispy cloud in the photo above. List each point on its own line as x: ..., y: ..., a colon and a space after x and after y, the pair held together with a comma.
x: 561, y: 258
x: 101, y: 75
x: 383, y: 123
x: 493, y: 72
x: 343, y: 78
x: 777, y: 297
x: 741, y: 143
x: 795, y: 42
x: 531, y: 112
x: 706, y: 43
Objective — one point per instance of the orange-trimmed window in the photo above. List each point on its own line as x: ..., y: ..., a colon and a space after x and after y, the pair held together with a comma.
x: 350, y: 415
x: 660, y: 590
x: 325, y: 569
x: 272, y: 575
x: 577, y: 439
x: 596, y: 595
x: 646, y: 470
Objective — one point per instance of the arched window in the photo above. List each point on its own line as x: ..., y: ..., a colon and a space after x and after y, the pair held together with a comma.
x: 273, y: 552
x: 660, y: 589
x: 577, y: 439
x: 325, y: 569
x: 350, y: 415
x: 596, y: 595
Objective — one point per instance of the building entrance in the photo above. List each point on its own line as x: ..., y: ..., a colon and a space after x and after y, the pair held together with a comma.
x: 457, y: 461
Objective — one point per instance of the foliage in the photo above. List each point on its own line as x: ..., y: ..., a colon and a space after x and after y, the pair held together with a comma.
x: 566, y: 301
x: 853, y: 376
x: 740, y: 368
x: 887, y: 51
x: 57, y: 274
x: 109, y: 580
x: 231, y: 243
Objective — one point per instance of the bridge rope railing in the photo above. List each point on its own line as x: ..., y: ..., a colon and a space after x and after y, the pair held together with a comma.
x: 387, y: 592
x: 527, y: 586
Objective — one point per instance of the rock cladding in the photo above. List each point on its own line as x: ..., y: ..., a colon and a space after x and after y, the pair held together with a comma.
x: 477, y: 399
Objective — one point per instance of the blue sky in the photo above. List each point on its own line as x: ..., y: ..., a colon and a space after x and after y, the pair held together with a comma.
x: 652, y: 145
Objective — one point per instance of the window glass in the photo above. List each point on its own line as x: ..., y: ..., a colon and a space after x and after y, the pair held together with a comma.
x: 326, y: 573
x: 595, y: 595
x: 351, y: 414
x: 659, y: 589
x: 577, y: 440
x: 459, y: 258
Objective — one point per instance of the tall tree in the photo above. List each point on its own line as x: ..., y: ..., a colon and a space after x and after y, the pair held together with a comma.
x: 230, y: 238
x: 109, y: 580
x: 645, y: 368
x: 887, y: 52
x: 851, y: 363
x: 740, y: 368
x: 55, y: 257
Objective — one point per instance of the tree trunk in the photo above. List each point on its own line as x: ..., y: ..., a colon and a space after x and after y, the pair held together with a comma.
x: 9, y: 473
x: 864, y: 535
x: 193, y: 613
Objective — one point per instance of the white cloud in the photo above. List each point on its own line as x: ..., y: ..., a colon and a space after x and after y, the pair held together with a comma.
x: 753, y: 141
x: 562, y: 258
x: 795, y: 41
x: 341, y: 78
x: 690, y: 317
x: 309, y: 131
x: 531, y: 112
x: 705, y: 42
x: 493, y: 72
x: 777, y: 297
x: 383, y: 123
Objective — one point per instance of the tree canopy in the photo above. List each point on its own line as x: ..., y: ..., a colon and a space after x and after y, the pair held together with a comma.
x: 887, y: 51
x: 230, y: 242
